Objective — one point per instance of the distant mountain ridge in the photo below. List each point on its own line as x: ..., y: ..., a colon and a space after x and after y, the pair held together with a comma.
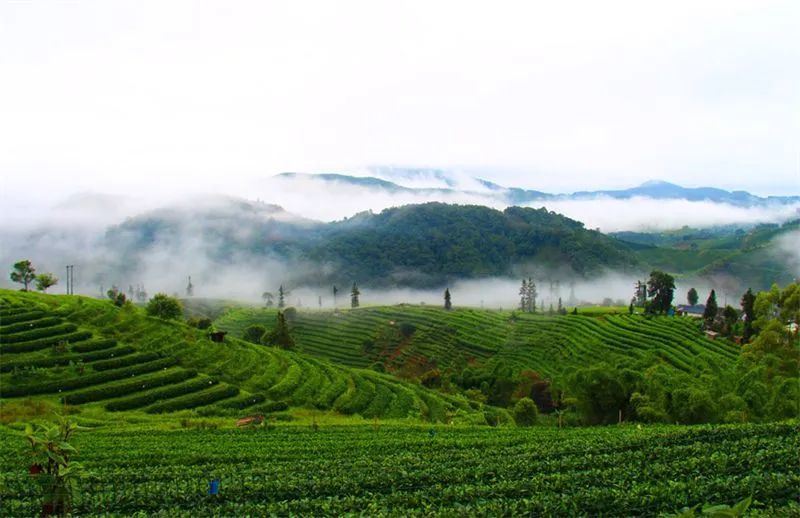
x: 435, y: 181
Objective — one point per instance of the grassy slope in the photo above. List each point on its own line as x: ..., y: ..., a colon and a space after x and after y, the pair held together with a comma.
x: 186, y: 355
x: 755, y: 257
x: 550, y: 345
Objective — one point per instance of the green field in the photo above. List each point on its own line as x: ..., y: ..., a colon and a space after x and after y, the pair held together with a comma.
x: 90, y: 353
x: 441, y: 470
x: 408, y: 338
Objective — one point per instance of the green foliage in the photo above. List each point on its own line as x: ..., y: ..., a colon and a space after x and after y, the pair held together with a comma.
x: 116, y: 296
x: 253, y: 333
x: 23, y: 273
x: 164, y: 306
x: 354, y: 293
x: 710, y: 313
x: 45, y: 281
x: 448, y: 304
x: 661, y: 289
x: 525, y: 412
x: 505, y: 471
x: 692, y: 297
x: 279, y: 336
x: 52, y: 467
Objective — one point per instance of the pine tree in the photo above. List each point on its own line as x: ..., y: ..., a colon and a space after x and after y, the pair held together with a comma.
x: 190, y: 288
x: 335, y: 292
x: 280, y: 335
x: 282, y: 297
x: 354, y: 293
x: 710, y: 312
x: 523, y: 296
x: 447, y: 304
x: 561, y: 310
x: 531, y: 295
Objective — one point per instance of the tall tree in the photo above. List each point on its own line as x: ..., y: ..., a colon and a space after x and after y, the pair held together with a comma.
x: 561, y: 310
x: 748, y: 307
x: 268, y: 298
x: 447, y: 304
x: 354, y: 293
x: 661, y: 287
x: 531, y: 295
x: 24, y: 273
x: 45, y: 280
x: 280, y: 336
x: 335, y: 292
x: 523, y: 296
x: 710, y: 312
x: 190, y: 288
x: 282, y: 297
x: 692, y: 297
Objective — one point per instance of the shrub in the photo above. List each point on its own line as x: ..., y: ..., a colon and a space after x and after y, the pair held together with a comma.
x: 44, y: 343
x: 84, y: 381
x: 164, y: 306
x: 123, y: 389
x: 194, y: 400
x: 124, y: 361
x: 93, y: 345
x: 525, y: 412
x: 66, y: 359
x: 43, y: 332
x: 158, y: 394
x: 199, y: 322
x: 407, y: 329
x: 254, y: 333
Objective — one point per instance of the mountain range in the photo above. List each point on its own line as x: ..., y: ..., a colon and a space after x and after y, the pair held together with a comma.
x: 430, y: 182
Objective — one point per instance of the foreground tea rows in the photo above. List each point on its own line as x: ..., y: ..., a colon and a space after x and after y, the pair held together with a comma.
x: 420, y: 470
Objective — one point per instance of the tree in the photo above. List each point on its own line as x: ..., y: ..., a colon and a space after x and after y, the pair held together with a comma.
x: 354, y: 293
x: 24, y: 273
x: 279, y: 336
x: 164, y: 306
x: 710, y: 312
x: 116, y: 296
x: 661, y: 288
x: 730, y: 315
x: 523, y: 296
x: 254, y: 333
x: 531, y: 295
x: 45, y: 280
x: 282, y: 297
x: 525, y: 412
x: 447, y: 304
x: 190, y: 288
x: 748, y: 307
x: 630, y: 309
x: 561, y: 310
x: 335, y: 292
x: 692, y: 297
x: 268, y: 299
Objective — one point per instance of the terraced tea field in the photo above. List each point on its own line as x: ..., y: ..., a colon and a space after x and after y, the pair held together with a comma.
x: 88, y: 352
x: 410, y: 471
x: 404, y: 336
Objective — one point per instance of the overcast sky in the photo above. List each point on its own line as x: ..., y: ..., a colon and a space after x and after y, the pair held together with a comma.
x: 558, y: 96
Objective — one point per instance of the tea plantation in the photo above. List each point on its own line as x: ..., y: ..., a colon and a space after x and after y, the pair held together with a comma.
x: 403, y: 337
x: 81, y: 351
x: 407, y: 470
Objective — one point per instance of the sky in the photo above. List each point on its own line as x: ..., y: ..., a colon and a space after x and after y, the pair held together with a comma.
x: 153, y: 97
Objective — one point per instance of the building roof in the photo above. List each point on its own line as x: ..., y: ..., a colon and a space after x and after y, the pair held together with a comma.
x: 697, y: 309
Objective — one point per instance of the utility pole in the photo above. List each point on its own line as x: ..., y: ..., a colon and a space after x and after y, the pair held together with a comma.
x: 70, y: 279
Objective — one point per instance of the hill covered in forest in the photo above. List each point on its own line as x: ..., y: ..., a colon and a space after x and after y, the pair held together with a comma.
x: 423, y: 245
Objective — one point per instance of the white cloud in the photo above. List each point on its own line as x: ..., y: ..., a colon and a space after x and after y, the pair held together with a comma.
x: 117, y: 96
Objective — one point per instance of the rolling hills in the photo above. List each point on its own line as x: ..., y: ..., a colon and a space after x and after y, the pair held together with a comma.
x: 89, y: 352
x: 411, y: 340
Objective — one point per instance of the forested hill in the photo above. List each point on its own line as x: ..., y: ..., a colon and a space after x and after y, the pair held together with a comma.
x: 415, y: 245
x: 436, y: 242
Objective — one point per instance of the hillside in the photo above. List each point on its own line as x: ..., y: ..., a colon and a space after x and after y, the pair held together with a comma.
x: 733, y: 258
x: 422, y: 246
x: 412, y: 340
x: 91, y: 353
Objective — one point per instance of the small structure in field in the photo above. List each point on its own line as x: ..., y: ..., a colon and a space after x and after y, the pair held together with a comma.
x: 712, y: 335
x: 253, y: 420
x: 217, y: 336
x: 695, y: 311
